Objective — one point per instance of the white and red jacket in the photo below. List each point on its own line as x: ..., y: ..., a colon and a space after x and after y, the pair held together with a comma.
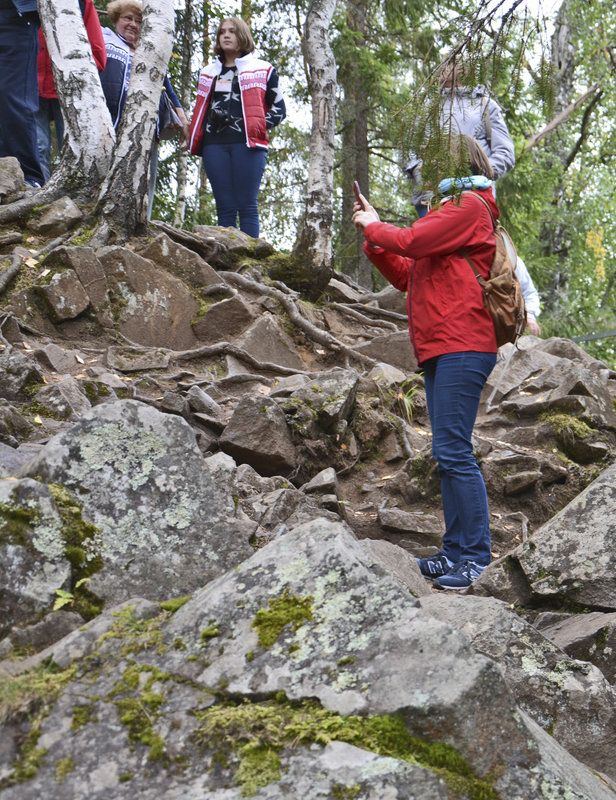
x: 253, y: 75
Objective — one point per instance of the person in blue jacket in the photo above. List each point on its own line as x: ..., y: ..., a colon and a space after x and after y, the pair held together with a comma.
x: 120, y: 44
x: 19, y: 25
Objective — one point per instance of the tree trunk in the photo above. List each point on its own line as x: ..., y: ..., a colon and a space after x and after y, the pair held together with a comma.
x: 355, y: 158
x: 313, y: 249
x: 90, y: 137
x: 186, y: 82
x: 554, y: 236
x: 89, y: 134
x: 122, y: 201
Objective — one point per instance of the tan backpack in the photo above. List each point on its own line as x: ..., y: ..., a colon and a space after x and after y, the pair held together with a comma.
x: 502, y: 293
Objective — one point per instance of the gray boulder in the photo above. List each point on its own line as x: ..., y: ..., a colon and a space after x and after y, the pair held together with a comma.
x: 257, y: 434
x: 309, y: 641
x: 167, y: 525
x: 18, y: 371
x: 391, y: 348
x: 570, y: 699
x: 589, y: 637
x: 149, y: 306
x: 33, y: 563
x: 266, y: 341
x: 56, y: 218
x: 11, y: 177
x: 570, y: 558
x: 331, y: 397
x: 13, y: 427
x: 84, y: 263
x: 64, y: 399
x: 64, y: 295
x: 224, y: 320
x: 180, y: 261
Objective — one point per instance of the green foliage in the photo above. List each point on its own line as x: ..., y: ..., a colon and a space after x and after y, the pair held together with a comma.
x: 255, y: 734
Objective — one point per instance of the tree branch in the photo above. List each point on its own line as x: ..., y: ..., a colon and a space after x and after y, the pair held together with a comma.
x: 560, y: 118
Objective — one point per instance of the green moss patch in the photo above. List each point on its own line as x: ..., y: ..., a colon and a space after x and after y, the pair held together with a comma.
x: 15, y: 522
x: 566, y: 425
x: 139, y: 707
x: 285, y: 610
x: 80, y: 540
x: 30, y: 694
x: 175, y: 603
x: 135, y: 634
x: 64, y: 767
x: 254, y: 735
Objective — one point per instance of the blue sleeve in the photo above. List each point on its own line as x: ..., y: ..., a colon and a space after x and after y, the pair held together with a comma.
x: 172, y: 95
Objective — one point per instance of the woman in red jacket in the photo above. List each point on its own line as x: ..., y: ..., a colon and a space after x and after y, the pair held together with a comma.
x: 455, y: 345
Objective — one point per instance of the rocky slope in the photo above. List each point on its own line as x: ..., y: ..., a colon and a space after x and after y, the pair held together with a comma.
x: 221, y: 487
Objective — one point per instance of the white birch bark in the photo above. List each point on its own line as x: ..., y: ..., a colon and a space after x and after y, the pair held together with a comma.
x: 314, y: 244
x: 89, y: 135
x: 123, y: 195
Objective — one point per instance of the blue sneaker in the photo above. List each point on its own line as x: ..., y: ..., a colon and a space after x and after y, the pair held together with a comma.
x: 434, y: 566
x: 460, y: 576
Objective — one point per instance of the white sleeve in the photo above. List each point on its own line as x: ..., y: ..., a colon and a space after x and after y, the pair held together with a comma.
x: 531, y: 296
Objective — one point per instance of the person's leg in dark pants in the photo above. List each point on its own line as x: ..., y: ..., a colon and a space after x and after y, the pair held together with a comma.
x: 217, y: 163
x: 49, y: 111
x: 19, y: 92
x: 454, y: 382
x: 248, y: 166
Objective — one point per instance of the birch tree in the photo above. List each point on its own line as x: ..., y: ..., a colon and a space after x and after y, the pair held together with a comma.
x: 313, y: 248
x: 94, y: 161
x: 122, y: 204
x: 89, y: 134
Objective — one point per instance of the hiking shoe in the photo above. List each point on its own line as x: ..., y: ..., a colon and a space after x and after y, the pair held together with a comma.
x: 435, y: 565
x: 460, y: 576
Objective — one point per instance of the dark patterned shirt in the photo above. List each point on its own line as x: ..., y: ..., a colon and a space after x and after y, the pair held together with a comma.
x: 224, y: 122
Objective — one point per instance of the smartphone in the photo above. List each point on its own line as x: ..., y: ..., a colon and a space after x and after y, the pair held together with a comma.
x: 357, y: 191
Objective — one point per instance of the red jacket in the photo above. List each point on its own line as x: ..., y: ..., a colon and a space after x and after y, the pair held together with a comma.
x: 253, y: 74
x: 444, y: 300
x: 95, y: 36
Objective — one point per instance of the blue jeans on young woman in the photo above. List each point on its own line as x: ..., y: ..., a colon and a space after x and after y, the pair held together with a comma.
x: 234, y: 172
x: 453, y: 386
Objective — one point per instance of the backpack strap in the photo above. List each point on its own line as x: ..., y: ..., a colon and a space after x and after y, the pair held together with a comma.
x: 480, y: 279
x: 486, y: 204
x: 464, y: 251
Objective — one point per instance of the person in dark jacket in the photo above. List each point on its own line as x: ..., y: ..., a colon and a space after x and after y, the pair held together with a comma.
x: 49, y: 106
x: 120, y: 44
x: 454, y: 341
x: 19, y: 86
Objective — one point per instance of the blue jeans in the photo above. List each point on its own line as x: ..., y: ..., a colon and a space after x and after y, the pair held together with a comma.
x: 234, y: 172
x: 19, y: 91
x: 49, y: 111
x: 453, y: 386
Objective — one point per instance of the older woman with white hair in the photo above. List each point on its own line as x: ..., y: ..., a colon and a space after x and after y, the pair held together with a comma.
x: 120, y: 44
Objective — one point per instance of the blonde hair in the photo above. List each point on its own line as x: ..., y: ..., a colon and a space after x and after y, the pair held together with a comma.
x: 471, y: 156
x: 242, y: 31
x: 118, y: 7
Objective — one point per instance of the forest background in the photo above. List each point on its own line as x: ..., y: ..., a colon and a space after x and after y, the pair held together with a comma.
x: 550, y: 69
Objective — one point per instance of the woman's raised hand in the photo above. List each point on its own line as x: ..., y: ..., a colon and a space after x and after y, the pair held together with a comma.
x: 363, y: 216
